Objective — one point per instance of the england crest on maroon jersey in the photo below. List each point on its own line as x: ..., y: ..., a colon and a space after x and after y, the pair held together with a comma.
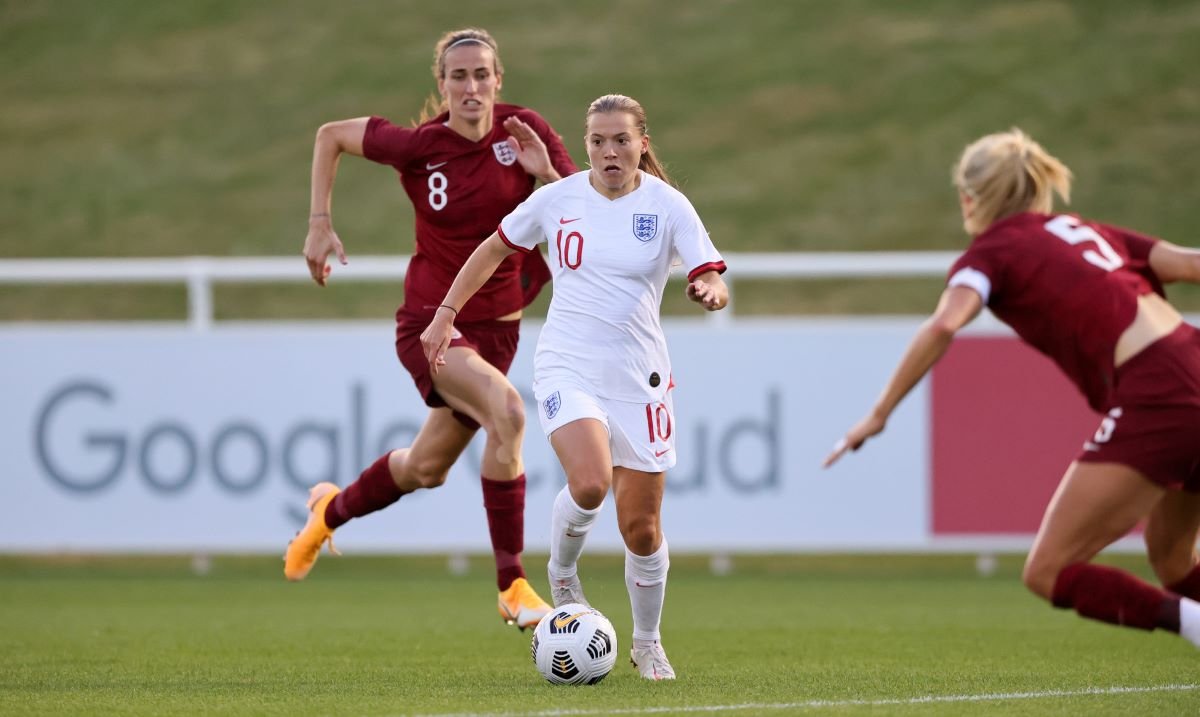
x: 645, y: 226
x: 504, y: 153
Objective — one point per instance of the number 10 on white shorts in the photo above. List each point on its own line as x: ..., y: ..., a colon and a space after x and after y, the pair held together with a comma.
x: 641, y: 436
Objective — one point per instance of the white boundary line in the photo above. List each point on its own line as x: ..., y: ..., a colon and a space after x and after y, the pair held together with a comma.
x: 825, y: 704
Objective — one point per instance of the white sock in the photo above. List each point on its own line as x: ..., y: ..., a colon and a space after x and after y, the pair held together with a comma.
x: 646, y: 581
x: 569, y: 526
x: 1189, y: 620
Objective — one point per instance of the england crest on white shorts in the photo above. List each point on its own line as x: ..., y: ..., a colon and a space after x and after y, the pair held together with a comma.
x: 504, y: 153
x: 551, y: 405
x: 645, y: 226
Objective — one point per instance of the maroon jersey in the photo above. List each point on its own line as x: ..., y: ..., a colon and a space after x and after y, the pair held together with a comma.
x: 460, y: 191
x: 1067, y: 286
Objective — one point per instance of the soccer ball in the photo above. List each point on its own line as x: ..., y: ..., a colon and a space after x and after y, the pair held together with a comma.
x: 574, y: 645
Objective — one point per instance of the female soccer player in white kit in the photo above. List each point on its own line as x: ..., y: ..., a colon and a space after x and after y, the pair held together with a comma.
x: 602, y: 377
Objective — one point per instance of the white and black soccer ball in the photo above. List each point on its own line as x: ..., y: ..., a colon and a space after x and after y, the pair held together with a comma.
x: 574, y: 645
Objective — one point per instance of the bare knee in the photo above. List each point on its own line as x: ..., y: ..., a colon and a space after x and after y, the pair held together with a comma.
x: 514, y: 412
x: 505, y: 418
x: 1040, y: 574
x: 429, y: 472
x: 640, y: 534
x: 588, y: 491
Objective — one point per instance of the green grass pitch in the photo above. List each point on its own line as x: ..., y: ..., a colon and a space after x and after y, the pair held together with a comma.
x: 844, y: 635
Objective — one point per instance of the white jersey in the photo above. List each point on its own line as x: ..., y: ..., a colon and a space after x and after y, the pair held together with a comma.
x: 610, y: 259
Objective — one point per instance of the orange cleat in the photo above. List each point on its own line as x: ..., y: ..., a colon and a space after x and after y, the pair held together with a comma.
x: 521, y: 606
x: 303, y: 549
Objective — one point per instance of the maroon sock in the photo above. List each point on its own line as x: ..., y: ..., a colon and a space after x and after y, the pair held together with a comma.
x: 504, y: 501
x: 1189, y: 587
x: 373, y: 490
x: 1114, y: 596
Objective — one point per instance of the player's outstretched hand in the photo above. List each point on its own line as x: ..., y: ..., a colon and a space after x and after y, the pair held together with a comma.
x: 322, y: 241
x: 530, y: 149
x: 435, y: 339
x: 711, y: 297
x: 855, y: 437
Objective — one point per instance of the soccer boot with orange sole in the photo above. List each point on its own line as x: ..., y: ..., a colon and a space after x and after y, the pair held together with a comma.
x: 303, y: 549
x: 521, y: 606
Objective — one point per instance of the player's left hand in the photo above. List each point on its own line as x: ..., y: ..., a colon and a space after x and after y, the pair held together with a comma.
x: 530, y: 149
x: 707, y: 295
x: 870, y: 426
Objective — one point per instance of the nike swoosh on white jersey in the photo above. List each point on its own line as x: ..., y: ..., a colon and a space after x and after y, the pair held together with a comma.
x: 432, y: 167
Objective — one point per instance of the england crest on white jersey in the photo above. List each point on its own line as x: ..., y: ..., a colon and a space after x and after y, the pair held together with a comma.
x: 645, y: 226
x: 504, y: 153
x: 603, y: 333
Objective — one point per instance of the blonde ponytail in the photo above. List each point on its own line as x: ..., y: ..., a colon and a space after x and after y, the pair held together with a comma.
x: 1008, y: 173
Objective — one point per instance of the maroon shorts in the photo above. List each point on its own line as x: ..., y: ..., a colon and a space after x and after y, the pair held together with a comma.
x: 1154, y: 425
x: 494, y: 340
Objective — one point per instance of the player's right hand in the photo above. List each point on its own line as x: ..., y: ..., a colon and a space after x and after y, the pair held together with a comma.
x: 322, y: 241
x: 435, y: 339
x: 531, y: 151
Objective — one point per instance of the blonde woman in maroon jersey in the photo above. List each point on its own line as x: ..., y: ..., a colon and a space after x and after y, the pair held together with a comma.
x: 1090, y: 297
x: 468, y: 163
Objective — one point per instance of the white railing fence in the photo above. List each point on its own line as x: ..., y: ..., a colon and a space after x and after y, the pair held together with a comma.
x: 201, y: 273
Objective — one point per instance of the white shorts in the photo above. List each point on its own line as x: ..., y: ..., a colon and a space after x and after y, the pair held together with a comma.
x: 641, y: 436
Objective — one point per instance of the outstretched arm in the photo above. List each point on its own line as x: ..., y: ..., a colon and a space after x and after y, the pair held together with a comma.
x: 333, y: 139
x: 479, y: 268
x: 957, y: 307
x: 1174, y: 263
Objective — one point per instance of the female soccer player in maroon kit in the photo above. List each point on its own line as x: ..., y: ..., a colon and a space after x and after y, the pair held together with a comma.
x: 1090, y: 297
x: 464, y: 170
